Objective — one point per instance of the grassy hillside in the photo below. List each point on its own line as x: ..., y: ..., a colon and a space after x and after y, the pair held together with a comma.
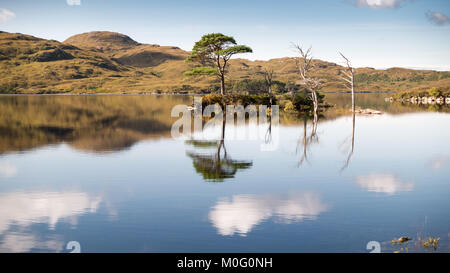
x: 33, y: 65
x: 108, y: 62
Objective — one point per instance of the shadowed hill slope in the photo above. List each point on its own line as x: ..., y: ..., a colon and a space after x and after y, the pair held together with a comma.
x: 149, y: 55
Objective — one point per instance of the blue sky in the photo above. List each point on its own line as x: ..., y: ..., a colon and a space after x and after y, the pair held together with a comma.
x: 375, y: 33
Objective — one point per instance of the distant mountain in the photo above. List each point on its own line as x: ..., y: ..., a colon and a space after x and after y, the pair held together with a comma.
x: 99, y: 62
x: 125, y: 50
x: 102, y: 41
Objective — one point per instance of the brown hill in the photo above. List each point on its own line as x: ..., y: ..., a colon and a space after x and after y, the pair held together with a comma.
x: 30, y: 64
x: 102, y: 41
x: 110, y: 62
x: 125, y: 50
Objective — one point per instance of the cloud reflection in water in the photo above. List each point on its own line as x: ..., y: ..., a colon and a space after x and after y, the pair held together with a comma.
x: 243, y: 212
x: 438, y: 162
x: 19, y: 210
x: 383, y: 183
x: 7, y: 169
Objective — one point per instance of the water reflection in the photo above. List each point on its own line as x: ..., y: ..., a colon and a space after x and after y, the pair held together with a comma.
x: 383, y: 183
x: 19, y: 211
x: 24, y: 209
x: 243, y: 212
x: 307, y: 139
x: 377, y: 101
x: 113, y: 123
x: 218, y: 166
x: 88, y: 123
x: 352, y: 143
x: 7, y: 169
x: 17, y: 242
x: 163, y: 211
x: 438, y: 162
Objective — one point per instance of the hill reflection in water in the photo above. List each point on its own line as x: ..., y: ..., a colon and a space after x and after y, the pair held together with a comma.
x: 108, y: 123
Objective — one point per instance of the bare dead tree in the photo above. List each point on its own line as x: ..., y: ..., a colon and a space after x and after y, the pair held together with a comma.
x: 349, y: 78
x: 304, y: 65
x: 349, y: 82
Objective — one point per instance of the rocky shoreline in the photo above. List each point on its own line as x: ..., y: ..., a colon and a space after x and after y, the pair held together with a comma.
x: 421, y: 100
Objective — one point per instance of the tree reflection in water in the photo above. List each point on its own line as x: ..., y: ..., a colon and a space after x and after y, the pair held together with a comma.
x: 218, y: 166
x: 352, y: 144
x: 307, y: 139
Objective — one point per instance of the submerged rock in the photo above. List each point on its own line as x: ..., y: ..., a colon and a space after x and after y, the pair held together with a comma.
x: 401, y: 240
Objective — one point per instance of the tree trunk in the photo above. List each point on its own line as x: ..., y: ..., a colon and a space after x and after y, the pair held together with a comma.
x: 353, y: 93
x: 315, y: 101
x: 222, y: 68
x: 270, y: 95
x: 222, y: 84
x: 222, y: 140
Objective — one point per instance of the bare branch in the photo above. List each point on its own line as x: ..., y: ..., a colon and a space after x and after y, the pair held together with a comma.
x: 347, y: 61
x: 306, y: 60
x: 347, y: 80
x: 346, y: 74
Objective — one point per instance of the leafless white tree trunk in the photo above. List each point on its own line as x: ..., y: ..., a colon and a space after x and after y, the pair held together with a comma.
x: 349, y: 78
x: 304, y: 65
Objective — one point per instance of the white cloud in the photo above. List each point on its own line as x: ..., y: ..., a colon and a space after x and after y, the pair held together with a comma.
x: 73, y: 2
x: 383, y: 183
x: 378, y: 4
x: 6, y: 15
x: 244, y: 212
x: 438, y: 18
x: 7, y: 169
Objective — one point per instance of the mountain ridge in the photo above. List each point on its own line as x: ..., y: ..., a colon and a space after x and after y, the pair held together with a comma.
x: 109, y: 62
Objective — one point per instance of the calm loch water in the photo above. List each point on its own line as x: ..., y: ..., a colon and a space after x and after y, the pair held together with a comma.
x: 104, y: 171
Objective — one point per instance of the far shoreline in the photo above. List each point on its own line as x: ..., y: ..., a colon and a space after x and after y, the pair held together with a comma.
x: 170, y: 94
